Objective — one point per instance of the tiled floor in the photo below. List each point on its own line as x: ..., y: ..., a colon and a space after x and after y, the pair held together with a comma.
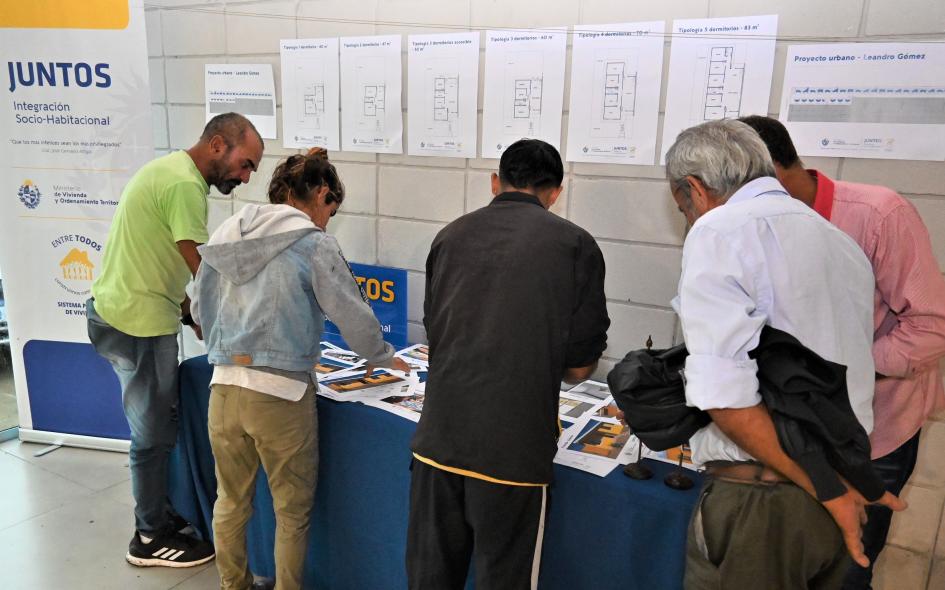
x: 65, y: 522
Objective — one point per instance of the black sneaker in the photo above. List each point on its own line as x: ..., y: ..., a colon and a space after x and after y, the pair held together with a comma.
x: 169, y: 550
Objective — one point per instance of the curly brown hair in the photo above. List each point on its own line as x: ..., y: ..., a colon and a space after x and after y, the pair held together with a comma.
x: 298, y: 175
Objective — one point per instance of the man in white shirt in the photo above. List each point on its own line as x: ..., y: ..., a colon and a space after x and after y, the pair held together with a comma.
x: 754, y: 257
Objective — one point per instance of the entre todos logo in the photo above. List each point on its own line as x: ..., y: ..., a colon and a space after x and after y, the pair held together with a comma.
x: 76, y: 270
x: 29, y: 194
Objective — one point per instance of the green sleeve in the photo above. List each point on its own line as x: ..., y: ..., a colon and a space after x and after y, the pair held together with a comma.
x: 185, y: 205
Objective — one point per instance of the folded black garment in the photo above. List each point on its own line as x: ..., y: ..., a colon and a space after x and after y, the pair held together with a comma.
x: 805, y: 394
x: 807, y: 398
x: 648, y: 387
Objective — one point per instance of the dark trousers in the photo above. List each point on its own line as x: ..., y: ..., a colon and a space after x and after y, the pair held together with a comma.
x: 895, y: 470
x: 147, y: 371
x: 771, y: 536
x: 454, y: 518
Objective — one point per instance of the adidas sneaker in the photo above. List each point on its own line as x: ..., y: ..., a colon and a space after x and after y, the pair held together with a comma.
x: 170, y: 549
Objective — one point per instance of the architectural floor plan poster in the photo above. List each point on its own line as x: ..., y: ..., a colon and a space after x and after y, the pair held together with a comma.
x: 615, y: 93
x: 310, y: 93
x: 719, y: 68
x: 371, y: 117
x: 442, y: 94
x: 524, y: 88
x: 246, y: 89
x: 866, y: 100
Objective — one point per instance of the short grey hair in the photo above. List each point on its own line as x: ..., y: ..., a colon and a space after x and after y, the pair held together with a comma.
x: 725, y: 155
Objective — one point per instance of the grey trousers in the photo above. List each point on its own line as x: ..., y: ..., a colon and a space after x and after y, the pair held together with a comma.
x: 147, y: 369
x: 771, y: 536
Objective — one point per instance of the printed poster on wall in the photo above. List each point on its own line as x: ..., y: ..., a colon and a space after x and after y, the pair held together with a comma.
x: 75, y: 124
x: 866, y: 100
x: 524, y: 88
x: 245, y: 89
x: 310, y: 93
x: 615, y: 93
x: 719, y: 68
x: 371, y: 115
x: 443, y: 94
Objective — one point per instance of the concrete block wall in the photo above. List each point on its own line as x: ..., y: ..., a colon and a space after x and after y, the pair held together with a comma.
x: 397, y: 204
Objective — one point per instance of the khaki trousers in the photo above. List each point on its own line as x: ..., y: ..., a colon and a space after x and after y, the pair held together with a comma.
x: 247, y: 427
x: 767, y: 536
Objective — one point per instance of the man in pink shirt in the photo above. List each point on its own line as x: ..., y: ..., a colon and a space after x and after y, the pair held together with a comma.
x: 908, y: 318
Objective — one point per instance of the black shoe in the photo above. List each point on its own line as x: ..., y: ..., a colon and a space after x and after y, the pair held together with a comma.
x: 264, y: 584
x: 170, y: 549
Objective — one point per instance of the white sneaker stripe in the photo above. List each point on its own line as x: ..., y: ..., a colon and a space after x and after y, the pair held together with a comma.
x: 162, y: 552
x: 175, y: 556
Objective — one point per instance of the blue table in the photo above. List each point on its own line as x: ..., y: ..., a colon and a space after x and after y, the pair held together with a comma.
x: 610, y: 532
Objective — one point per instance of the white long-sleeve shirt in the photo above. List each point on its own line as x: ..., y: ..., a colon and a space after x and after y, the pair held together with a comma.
x: 766, y: 258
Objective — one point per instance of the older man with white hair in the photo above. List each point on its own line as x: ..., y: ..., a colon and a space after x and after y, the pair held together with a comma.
x: 755, y: 257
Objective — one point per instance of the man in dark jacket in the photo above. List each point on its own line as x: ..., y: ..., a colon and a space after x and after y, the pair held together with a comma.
x: 514, y: 303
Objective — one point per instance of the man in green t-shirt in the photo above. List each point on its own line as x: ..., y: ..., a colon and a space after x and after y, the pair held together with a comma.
x: 137, y: 302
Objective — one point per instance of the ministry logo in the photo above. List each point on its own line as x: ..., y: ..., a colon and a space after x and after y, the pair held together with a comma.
x: 29, y: 194
x: 825, y: 142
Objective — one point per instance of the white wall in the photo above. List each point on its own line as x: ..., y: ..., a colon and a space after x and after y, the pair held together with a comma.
x: 398, y: 203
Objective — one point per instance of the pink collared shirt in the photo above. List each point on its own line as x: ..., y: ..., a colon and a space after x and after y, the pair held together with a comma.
x: 909, y: 312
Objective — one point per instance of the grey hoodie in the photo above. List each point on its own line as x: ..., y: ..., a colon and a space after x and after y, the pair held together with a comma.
x: 267, y: 279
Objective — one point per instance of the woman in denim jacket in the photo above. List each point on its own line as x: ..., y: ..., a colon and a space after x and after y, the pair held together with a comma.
x: 269, y: 275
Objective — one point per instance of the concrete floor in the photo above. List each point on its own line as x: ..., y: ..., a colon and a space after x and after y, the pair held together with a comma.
x: 66, y: 522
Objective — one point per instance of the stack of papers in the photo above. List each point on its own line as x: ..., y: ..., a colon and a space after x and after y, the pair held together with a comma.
x: 342, y: 376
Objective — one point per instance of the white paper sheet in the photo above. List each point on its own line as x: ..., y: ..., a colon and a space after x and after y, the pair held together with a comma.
x: 352, y: 385
x: 718, y: 68
x: 866, y: 100
x: 615, y: 93
x: 596, y: 445
x: 247, y: 89
x: 343, y: 356
x: 595, y: 389
x: 524, y: 88
x: 407, y: 404
x: 418, y: 354
x: 671, y: 456
x: 371, y: 115
x: 574, y: 407
x: 328, y: 367
x: 310, y: 93
x: 442, y: 95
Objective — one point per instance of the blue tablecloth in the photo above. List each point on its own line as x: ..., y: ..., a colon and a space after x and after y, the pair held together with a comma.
x: 610, y: 532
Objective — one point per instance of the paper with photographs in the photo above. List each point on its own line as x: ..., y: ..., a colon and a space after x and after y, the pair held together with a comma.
x: 596, y: 445
x: 408, y: 404
x: 418, y: 354
x: 355, y: 385
x: 672, y: 456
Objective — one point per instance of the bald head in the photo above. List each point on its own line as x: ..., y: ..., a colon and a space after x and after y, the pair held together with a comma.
x: 232, y: 128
